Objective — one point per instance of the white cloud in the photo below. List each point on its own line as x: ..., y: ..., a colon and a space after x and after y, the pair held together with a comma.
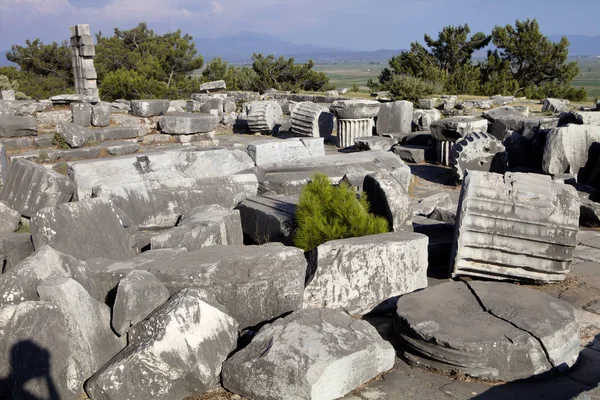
x: 217, y: 8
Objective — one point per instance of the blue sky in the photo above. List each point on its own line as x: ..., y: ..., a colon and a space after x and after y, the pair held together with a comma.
x: 352, y: 24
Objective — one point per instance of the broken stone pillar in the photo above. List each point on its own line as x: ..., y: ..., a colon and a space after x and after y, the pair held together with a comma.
x: 313, y: 120
x: 355, y: 119
x: 263, y: 116
x: 82, y: 59
x: 478, y: 152
x: 350, y: 129
x: 442, y: 149
x: 515, y: 226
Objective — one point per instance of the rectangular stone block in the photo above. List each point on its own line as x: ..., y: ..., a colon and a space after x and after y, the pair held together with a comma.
x: 267, y: 219
x: 254, y: 283
x: 291, y: 177
x: 83, y: 30
x: 395, y: 118
x: 515, y: 226
x: 31, y: 187
x: 358, y: 274
x: 154, y: 189
x: 85, y: 41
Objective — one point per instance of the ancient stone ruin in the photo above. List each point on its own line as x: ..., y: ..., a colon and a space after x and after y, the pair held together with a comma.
x: 82, y: 58
x: 147, y: 247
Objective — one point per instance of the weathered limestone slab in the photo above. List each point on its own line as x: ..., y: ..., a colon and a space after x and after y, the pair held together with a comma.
x: 20, y: 282
x: 73, y: 98
x: 7, y: 95
x: 415, y: 154
x: 387, y: 192
x: 374, y: 143
x: 74, y: 134
x: 478, y: 152
x: 213, y: 86
x: 567, y: 148
x: 31, y: 187
x: 310, y: 354
x: 528, y: 127
x: 555, y: 106
x: 312, y: 120
x: 37, y: 345
x: 422, y: 119
x: 254, y: 283
x: 9, y: 218
x: 580, y: 118
x: 138, y: 294
x: 269, y: 218
x: 515, y: 226
x: 24, y: 107
x: 505, y: 112
x: 154, y: 189
x: 14, y: 247
x: 355, y: 109
x: 505, y: 341
x: 357, y: 274
x: 453, y: 128
x: 395, y: 118
x: 427, y: 205
x: 92, y: 342
x: 116, y: 132
x: 84, y: 229
x: 203, y: 226
x: 187, y: 123
x: 290, y: 178
x: 81, y: 114
x: 176, y: 353
x: 17, y: 126
x: 287, y: 150
x: 149, y: 108
x: 263, y: 116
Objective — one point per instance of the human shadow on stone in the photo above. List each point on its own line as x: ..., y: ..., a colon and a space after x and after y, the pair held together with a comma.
x: 433, y: 173
x: 28, y: 362
x: 584, y: 376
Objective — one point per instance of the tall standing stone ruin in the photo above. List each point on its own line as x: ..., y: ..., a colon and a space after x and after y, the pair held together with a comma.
x: 82, y: 56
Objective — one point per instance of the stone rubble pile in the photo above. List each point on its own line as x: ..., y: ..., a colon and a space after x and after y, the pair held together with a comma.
x: 147, y: 251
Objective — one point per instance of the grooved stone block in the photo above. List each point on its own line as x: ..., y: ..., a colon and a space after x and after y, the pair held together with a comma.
x: 263, y: 116
x: 31, y: 187
x: 515, y: 226
x: 287, y: 150
x: 313, y: 120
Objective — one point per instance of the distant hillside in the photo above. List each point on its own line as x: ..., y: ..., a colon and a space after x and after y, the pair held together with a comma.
x: 581, y: 45
x: 238, y: 48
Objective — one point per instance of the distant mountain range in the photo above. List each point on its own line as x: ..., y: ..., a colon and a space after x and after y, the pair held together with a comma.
x: 238, y: 48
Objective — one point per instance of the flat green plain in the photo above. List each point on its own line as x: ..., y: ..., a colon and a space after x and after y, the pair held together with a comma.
x: 344, y: 75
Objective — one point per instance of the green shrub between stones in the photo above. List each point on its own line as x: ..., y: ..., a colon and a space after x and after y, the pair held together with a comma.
x: 326, y: 212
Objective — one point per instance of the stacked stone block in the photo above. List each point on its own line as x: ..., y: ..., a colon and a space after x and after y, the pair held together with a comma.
x: 82, y: 58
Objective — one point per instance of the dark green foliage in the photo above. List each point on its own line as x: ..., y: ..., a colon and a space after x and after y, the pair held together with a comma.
x: 525, y: 62
x: 282, y: 74
x: 45, y: 69
x: 326, y: 212
x: 59, y: 141
x: 453, y: 48
x: 236, y: 78
x: 43, y: 59
x: 138, y: 63
x: 355, y: 88
x: 408, y: 87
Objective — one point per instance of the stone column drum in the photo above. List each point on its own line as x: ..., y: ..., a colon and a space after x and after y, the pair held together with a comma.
x: 355, y: 119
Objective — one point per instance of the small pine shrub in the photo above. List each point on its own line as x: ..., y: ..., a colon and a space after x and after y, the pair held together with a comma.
x: 326, y: 212
x: 59, y: 141
x: 355, y: 88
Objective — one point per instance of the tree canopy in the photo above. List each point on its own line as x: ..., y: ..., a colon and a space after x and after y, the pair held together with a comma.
x: 524, y: 62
